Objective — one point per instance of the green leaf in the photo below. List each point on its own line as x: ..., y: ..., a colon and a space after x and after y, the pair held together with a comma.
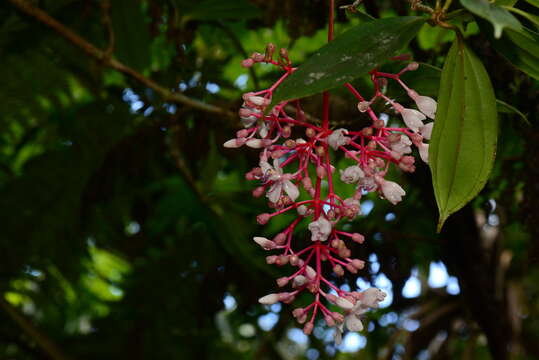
x: 520, y: 48
x: 498, y: 16
x: 222, y: 10
x: 131, y: 34
x: 504, y: 107
x: 349, y: 56
x: 464, y: 137
x: 533, y: 18
x: 532, y: 2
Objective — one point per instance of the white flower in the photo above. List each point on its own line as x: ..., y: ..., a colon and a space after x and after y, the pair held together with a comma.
x: 280, y: 182
x: 234, y: 143
x: 337, y: 138
x: 248, y: 121
x: 426, y: 105
x: 426, y: 130
x: 392, y: 191
x: 403, y: 145
x: 351, y: 174
x: 413, y: 118
x: 337, y: 335
x: 367, y: 183
x: 255, y: 143
x: 343, y: 303
x: 370, y: 299
x: 269, y: 299
x: 320, y: 229
x: 424, y: 152
x: 266, y: 244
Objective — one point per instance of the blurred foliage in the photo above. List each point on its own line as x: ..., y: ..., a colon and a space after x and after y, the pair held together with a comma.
x: 126, y: 228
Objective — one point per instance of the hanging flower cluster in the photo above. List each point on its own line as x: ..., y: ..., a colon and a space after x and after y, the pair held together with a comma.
x: 288, y: 164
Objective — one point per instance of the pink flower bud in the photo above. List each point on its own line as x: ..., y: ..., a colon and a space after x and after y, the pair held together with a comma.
x: 351, y: 268
x: 257, y: 57
x: 329, y: 320
x: 258, y: 191
x: 280, y: 239
x: 254, y: 143
x: 271, y: 259
x: 338, y: 270
x: 282, y: 281
x: 294, y: 260
x: 413, y: 66
x: 264, y: 243
x: 321, y: 172
x: 358, y: 264
x: 247, y: 63
x: 338, y: 317
x: 234, y: 143
x: 269, y: 299
x: 358, y: 238
x: 363, y: 106
x: 308, y: 328
x: 263, y: 219
x: 343, y: 303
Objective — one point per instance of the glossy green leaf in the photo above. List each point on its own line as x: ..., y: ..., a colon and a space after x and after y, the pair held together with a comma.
x: 533, y: 18
x: 349, y: 56
x: 520, y: 48
x: 533, y: 2
x: 498, y: 16
x: 463, y: 144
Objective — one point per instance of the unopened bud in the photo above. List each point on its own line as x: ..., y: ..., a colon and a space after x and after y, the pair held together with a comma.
x: 264, y: 243
x: 329, y: 320
x: 321, y: 171
x: 308, y: 328
x: 320, y: 151
x: 363, y: 106
x: 282, y: 281
x: 351, y: 268
x: 257, y: 57
x: 280, y: 239
x: 258, y: 191
x: 338, y: 270
x: 263, y: 219
x: 269, y: 299
x: 286, y: 131
x: 358, y: 264
x: 357, y: 237
x: 271, y: 259
x: 310, y: 132
x: 367, y: 131
x: 294, y: 260
x: 413, y: 66
x: 247, y: 63
x: 270, y: 49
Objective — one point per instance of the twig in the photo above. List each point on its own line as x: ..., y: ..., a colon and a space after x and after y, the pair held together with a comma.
x: 91, y: 50
x: 40, y: 338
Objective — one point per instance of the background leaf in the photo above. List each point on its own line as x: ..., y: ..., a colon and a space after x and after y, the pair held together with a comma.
x: 349, y: 56
x: 464, y: 137
x: 499, y: 17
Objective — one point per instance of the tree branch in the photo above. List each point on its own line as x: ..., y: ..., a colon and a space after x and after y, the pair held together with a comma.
x: 40, y: 338
x: 102, y: 56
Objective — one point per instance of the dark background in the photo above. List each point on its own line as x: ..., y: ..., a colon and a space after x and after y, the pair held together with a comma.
x: 125, y: 227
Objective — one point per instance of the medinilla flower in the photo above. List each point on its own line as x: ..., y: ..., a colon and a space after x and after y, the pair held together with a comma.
x: 426, y: 130
x: 424, y: 152
x: 351, y: 174
x: 402, y: 146
x: 337, y: 138
x: 425, y: 104
x: 413, y: 118
x: 281, y: 181
x: 320, y: 229
x: 391, y: 191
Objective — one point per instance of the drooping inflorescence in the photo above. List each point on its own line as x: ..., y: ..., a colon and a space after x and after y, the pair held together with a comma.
x: 288, y: 164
